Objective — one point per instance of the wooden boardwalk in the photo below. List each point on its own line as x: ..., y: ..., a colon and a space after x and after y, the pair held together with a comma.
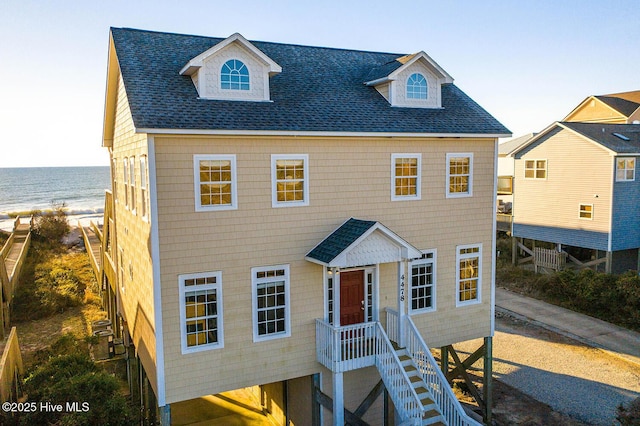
x: 93, y: 243
x: 12, y: 255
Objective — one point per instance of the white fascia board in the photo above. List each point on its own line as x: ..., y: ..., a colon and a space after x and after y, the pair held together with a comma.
x: 408, y: 251
x: 379, y: 81
x: 196, y: 62
x: 429, y: 61
x: 294, y: 133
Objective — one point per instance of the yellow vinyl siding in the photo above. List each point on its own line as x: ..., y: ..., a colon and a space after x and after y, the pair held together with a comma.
x: 133, y: 238
x: 578, y: 172
x: 349, y: 177
x: 595, y: 111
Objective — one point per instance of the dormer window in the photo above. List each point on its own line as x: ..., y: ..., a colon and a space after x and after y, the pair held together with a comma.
x: 416, y: 86
x: 411, y: 81
x: 234, y: 75
x: 244, y: 77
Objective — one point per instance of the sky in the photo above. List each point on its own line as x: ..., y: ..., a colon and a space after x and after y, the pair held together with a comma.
x: 528, y: 63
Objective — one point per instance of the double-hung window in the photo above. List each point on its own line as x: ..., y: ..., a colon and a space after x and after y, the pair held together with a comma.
x: 405, y: 176
x: 468, y: 274
x: 586, y: 211
x: 144, y: 199
x: 271, y: 310
x: 201, y: 311
x: 289, y: 180
x: 215, y: 182
x: 535, y: 169
x: 423, y: 283
x: 459, y: 175
x: 625, y: 169
x: 132, y: 182
x: 125, y: 181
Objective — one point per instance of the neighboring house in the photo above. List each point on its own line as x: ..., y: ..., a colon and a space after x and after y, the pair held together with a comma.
x: 280, y: 210
x: 505, y: 180
x: 577, y: 185
x: 616, y: 108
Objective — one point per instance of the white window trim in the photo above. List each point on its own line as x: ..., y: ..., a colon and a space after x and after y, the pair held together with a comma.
x: 274, y: 183
x: 459, y: 257
x: 183, y: 312
x: 254, y: 303
x: 418, y: 194
x: 144, y: 188
x: 234, y: 182
x: 433, y: 261
x: 535, y: 169
x: 132, y: 184
x: 625, y: 169
x: 580, y: 210
x: 469, y: 193
x: 125, y: 175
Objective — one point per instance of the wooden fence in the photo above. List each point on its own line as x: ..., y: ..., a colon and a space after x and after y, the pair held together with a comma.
x: 11, y: 368
x: 549, y: 259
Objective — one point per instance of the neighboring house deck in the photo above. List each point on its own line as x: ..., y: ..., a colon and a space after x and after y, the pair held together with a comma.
x: 309, y: 220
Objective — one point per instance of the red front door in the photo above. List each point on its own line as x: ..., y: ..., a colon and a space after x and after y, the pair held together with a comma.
x: 351, y: 297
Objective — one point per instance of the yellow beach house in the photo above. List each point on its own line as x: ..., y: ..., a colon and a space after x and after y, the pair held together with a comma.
x: 308, y: 220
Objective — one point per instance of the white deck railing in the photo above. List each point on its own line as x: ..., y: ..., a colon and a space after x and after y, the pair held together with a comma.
x: 356, y: 346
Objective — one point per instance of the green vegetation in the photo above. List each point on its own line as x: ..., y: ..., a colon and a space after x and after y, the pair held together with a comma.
x: 610, y: 297
x: 51, y: 225
x: 66, y: 374
x: 54, y: 280
x: 629, y: 415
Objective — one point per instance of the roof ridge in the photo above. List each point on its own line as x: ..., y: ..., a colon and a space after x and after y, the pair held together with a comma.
x: 262, y: 42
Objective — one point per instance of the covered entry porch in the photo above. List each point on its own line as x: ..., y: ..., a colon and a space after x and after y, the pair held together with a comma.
x: 352, y: 335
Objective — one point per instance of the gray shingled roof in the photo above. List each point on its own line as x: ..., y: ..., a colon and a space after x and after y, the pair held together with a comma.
x: 319, y: 89
x: 604, y: 134
x: 340, y: 240
x: 623, y: 106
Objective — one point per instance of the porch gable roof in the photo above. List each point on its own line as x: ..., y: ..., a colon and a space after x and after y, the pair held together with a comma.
x: 361, y: 240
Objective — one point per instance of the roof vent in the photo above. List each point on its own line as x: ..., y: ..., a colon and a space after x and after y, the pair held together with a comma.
x: 621, y: 136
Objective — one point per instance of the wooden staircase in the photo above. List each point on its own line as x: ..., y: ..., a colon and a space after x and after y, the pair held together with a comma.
x: 432, y: 415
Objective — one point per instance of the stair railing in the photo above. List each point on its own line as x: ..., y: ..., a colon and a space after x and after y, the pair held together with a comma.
x: 396, y: 380
x: 436, y: 382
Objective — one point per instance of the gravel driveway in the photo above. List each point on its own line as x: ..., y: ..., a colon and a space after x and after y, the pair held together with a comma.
x: 585, y: 383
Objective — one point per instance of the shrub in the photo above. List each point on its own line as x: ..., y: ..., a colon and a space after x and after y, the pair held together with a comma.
x: 52, y: 224
x: 629, y: 415
x: 76, y: 379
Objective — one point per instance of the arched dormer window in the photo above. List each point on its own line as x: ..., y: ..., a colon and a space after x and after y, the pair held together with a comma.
x: 234, y: 75
x: 416, y: 87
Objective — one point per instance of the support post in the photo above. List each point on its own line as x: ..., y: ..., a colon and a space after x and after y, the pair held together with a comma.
x: 608, y: 265
x: 165, y: 415
x: 444, y: 360
x: 336, y: 296
x: 338, y: 399
x: 487, y: 387
x: 315, y: 408
x: 402, y: 268
x: 514, y: 251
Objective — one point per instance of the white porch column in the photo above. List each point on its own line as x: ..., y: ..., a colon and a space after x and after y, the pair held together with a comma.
x: 402, y: 278
x: 338, y: 399
x: 336, y: 296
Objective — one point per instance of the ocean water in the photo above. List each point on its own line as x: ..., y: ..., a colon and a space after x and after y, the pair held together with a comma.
x: 38, y: 188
